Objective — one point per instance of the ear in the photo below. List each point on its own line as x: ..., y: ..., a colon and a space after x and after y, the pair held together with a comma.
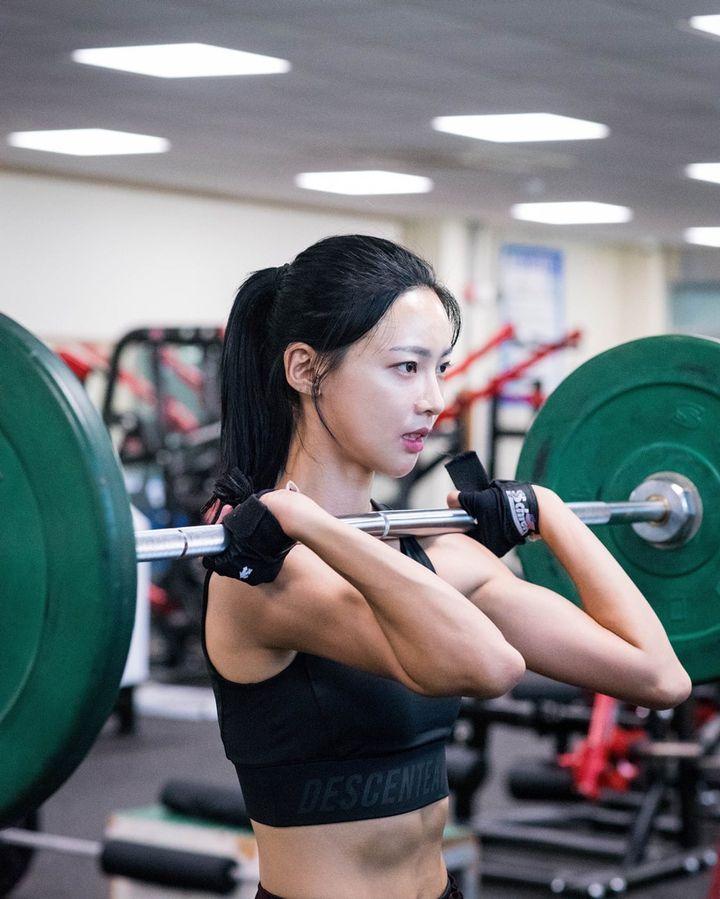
x: 300, y: 361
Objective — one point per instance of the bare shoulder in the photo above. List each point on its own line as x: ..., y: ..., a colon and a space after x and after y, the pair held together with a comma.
x: 462, y: 562
x: 241, y: 627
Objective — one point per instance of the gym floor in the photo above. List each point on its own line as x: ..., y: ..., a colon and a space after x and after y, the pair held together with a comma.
x: 122, y: 772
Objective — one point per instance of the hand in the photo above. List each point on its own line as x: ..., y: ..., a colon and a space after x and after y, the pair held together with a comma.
x: 452, y: 499
x: 541, y: 493
x: 505, y: 512
x: 256, y: 544
x: 291, y: 508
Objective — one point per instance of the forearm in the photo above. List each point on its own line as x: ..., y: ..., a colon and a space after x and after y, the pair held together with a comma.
x: 443, y: 642
x: 607, y: 593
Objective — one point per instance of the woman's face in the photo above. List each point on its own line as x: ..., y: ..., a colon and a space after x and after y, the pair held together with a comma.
x: 389, y: 385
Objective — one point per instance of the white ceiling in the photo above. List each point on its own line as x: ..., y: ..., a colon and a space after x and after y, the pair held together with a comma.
x: 367, y: 78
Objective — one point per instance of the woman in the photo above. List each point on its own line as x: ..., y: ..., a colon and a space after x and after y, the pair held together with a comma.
x: 337, y: 660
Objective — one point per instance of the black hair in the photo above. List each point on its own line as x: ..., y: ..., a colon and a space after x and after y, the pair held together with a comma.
x: 331, y: 295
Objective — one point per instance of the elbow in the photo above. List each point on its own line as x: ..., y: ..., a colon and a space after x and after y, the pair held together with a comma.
x: 494, y: 674
x: 670, y: 690
x: 497, y: 675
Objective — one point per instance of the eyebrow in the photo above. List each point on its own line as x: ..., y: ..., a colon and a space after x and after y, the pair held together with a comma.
x: 418, y: 350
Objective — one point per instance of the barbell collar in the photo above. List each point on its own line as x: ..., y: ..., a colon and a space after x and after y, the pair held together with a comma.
x: 178, y: 543
x: 684, y: 509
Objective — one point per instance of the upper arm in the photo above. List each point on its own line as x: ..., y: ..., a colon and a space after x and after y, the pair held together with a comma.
x: 309, y: 608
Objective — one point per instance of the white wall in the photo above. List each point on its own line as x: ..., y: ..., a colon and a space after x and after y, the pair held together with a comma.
x: 89, y: 260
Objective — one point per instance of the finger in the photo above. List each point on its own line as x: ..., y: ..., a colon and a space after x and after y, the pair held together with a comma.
x: 452, y: 499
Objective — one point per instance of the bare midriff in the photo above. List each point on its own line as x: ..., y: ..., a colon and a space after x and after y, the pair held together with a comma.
x: 398, y: 856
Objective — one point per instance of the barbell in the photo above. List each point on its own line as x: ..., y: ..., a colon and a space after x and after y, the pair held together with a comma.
x: 639, y: 423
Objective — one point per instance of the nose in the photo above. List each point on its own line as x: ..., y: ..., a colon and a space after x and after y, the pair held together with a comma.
x: 431, y: 401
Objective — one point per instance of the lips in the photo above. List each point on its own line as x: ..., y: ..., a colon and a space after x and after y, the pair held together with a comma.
x: 417, y: 435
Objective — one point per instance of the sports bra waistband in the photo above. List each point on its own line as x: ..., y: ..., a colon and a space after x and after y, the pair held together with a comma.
x: 333, y: 790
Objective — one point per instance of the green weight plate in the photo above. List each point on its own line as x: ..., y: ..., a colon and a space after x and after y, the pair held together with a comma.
x: 67, y: 569
x: 645, y: 406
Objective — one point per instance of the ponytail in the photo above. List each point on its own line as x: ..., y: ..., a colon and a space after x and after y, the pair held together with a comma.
x: 257, y: 409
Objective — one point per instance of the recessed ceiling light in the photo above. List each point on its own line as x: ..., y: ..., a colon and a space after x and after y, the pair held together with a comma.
x: 704, y: 237
x: 704, y: 171
x: 370, y: 182
x: 520, y: 127
x: 181, y: 60
x: 88, y: 142
x: 709, y: 24
x: 573, y: 213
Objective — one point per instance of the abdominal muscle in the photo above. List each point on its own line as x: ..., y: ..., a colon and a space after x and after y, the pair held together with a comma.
x: 399, y: 856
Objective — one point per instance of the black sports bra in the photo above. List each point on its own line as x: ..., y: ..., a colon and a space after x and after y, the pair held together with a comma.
x: 321, y: 742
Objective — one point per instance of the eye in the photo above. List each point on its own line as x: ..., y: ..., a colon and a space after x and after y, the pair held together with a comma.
x: 442, y: 368
x: 413, y: 364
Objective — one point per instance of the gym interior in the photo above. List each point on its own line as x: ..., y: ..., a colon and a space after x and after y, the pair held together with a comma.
x: 557, y: 164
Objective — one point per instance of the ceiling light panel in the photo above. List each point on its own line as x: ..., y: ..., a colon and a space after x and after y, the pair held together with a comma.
x: 88, y: 142
x: 182, y: 61
x: 572, y: 213
x: 704, y: 171
x: 708, y: 24
x: 366, y: 182
x: 521, y: 127
x: 704, y: 237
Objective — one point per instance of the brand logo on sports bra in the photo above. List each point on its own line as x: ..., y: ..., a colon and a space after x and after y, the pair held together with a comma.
x: 403, y: 784
x: 245, y: 573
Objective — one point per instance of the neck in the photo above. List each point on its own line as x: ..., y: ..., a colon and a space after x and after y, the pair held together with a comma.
x: 338, y: 484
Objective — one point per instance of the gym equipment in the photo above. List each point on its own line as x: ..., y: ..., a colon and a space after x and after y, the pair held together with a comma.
x: 139, y: 861
x: 195, y: 799
x: 496, y: 383
x: 641, y: 836
x: 506, y: 332
x: 640, y: 421
x: 498, y: 432
x: 68, y: 572
x: 15, y: 860
x: 68, y: 552
x: 635, y: 830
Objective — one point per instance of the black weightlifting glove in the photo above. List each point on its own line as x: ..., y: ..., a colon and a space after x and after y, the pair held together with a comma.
x: 257, y: 544
x: 506, y: 512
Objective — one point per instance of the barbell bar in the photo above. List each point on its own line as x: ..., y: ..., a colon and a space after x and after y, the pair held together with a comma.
x: 185, y: 542
x: 640, y: 421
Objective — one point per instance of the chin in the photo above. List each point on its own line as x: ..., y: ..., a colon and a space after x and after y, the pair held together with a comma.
x: 397, y: 468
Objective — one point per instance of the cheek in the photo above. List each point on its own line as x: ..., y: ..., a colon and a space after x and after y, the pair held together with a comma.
x: 390, y: 399
x: 369, y: 409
